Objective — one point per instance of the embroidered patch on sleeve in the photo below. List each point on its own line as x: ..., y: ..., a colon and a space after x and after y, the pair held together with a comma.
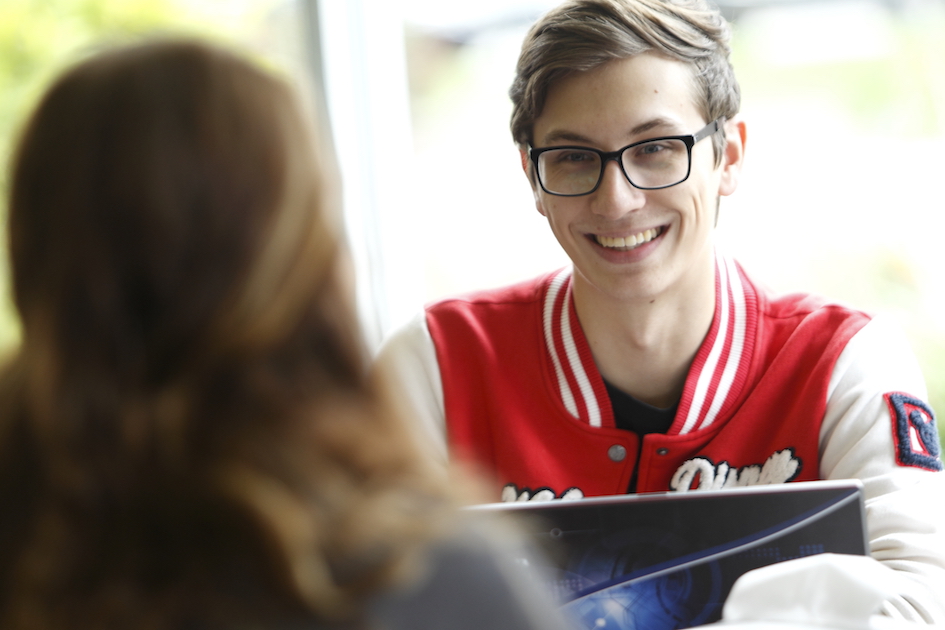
x: 914, y: 432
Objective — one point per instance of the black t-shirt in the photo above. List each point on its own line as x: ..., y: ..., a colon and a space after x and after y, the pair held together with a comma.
x: 631, y: 414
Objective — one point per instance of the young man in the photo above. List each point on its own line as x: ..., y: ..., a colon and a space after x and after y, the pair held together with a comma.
x: 656, y: 363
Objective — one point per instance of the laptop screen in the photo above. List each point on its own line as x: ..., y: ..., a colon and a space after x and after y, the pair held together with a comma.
x: 668, y: 560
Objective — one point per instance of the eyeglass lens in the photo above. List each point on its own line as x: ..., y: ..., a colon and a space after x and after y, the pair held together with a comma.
x: 654, y: 164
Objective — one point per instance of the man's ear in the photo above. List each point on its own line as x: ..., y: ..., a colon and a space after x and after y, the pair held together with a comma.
x: 530, y: 174
x: 733, y: 156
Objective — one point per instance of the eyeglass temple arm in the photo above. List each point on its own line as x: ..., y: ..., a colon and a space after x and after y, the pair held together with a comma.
x: 709, y: 129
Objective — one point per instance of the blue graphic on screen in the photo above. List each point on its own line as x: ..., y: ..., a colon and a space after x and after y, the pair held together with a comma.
x: 601, y: 592
x: 675, y: 570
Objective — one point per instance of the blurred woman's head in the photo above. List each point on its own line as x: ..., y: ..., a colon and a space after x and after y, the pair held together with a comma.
x: 166, y: 210
x: 189, y: 406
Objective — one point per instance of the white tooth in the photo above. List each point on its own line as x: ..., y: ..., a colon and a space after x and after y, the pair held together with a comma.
x: 630, y: 241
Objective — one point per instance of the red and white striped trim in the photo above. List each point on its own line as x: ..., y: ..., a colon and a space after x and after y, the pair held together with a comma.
x: 574, y: 382
x: 548, y: 316
x: 715, y: 378
x: 720, y: 366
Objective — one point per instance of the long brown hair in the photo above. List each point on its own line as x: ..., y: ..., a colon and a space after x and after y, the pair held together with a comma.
x: 188, y: 433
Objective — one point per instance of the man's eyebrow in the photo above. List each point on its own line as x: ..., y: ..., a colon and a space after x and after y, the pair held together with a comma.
x: 651, y: 124
x: 563, y: 136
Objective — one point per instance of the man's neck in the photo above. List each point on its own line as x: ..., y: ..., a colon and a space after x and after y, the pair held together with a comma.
x: 646, y: 346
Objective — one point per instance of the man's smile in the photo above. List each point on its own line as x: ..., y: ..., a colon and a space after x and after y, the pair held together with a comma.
x: 629, y: 242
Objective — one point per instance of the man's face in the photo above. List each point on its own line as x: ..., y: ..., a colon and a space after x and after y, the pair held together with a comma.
x: 625, y: 242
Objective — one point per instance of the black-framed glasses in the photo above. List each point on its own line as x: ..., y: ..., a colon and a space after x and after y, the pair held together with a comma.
x: 571, y: 171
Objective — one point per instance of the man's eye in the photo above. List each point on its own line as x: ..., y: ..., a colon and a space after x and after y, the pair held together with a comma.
x: 574, y: 156
x: 651, y: 148
x: 662, y: 148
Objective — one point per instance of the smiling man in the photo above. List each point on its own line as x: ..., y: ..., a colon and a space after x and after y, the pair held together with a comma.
x: 654, y: 362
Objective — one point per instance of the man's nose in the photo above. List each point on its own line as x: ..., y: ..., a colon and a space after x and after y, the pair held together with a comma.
x: 616, y: 196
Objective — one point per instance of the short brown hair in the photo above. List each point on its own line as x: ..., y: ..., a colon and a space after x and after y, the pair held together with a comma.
x: 581, y: 35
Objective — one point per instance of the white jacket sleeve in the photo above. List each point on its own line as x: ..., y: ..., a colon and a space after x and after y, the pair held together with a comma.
x: 904, y: 504
x: 407, y: 359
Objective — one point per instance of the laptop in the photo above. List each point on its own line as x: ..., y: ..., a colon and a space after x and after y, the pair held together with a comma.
x: 663, y: 561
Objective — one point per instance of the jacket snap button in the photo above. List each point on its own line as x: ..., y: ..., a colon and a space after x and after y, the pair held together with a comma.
x: 616, y: 453
x: 662, y: 451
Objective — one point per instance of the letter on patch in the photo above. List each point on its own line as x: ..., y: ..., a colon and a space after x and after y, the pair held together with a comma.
x: 914, y: 432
